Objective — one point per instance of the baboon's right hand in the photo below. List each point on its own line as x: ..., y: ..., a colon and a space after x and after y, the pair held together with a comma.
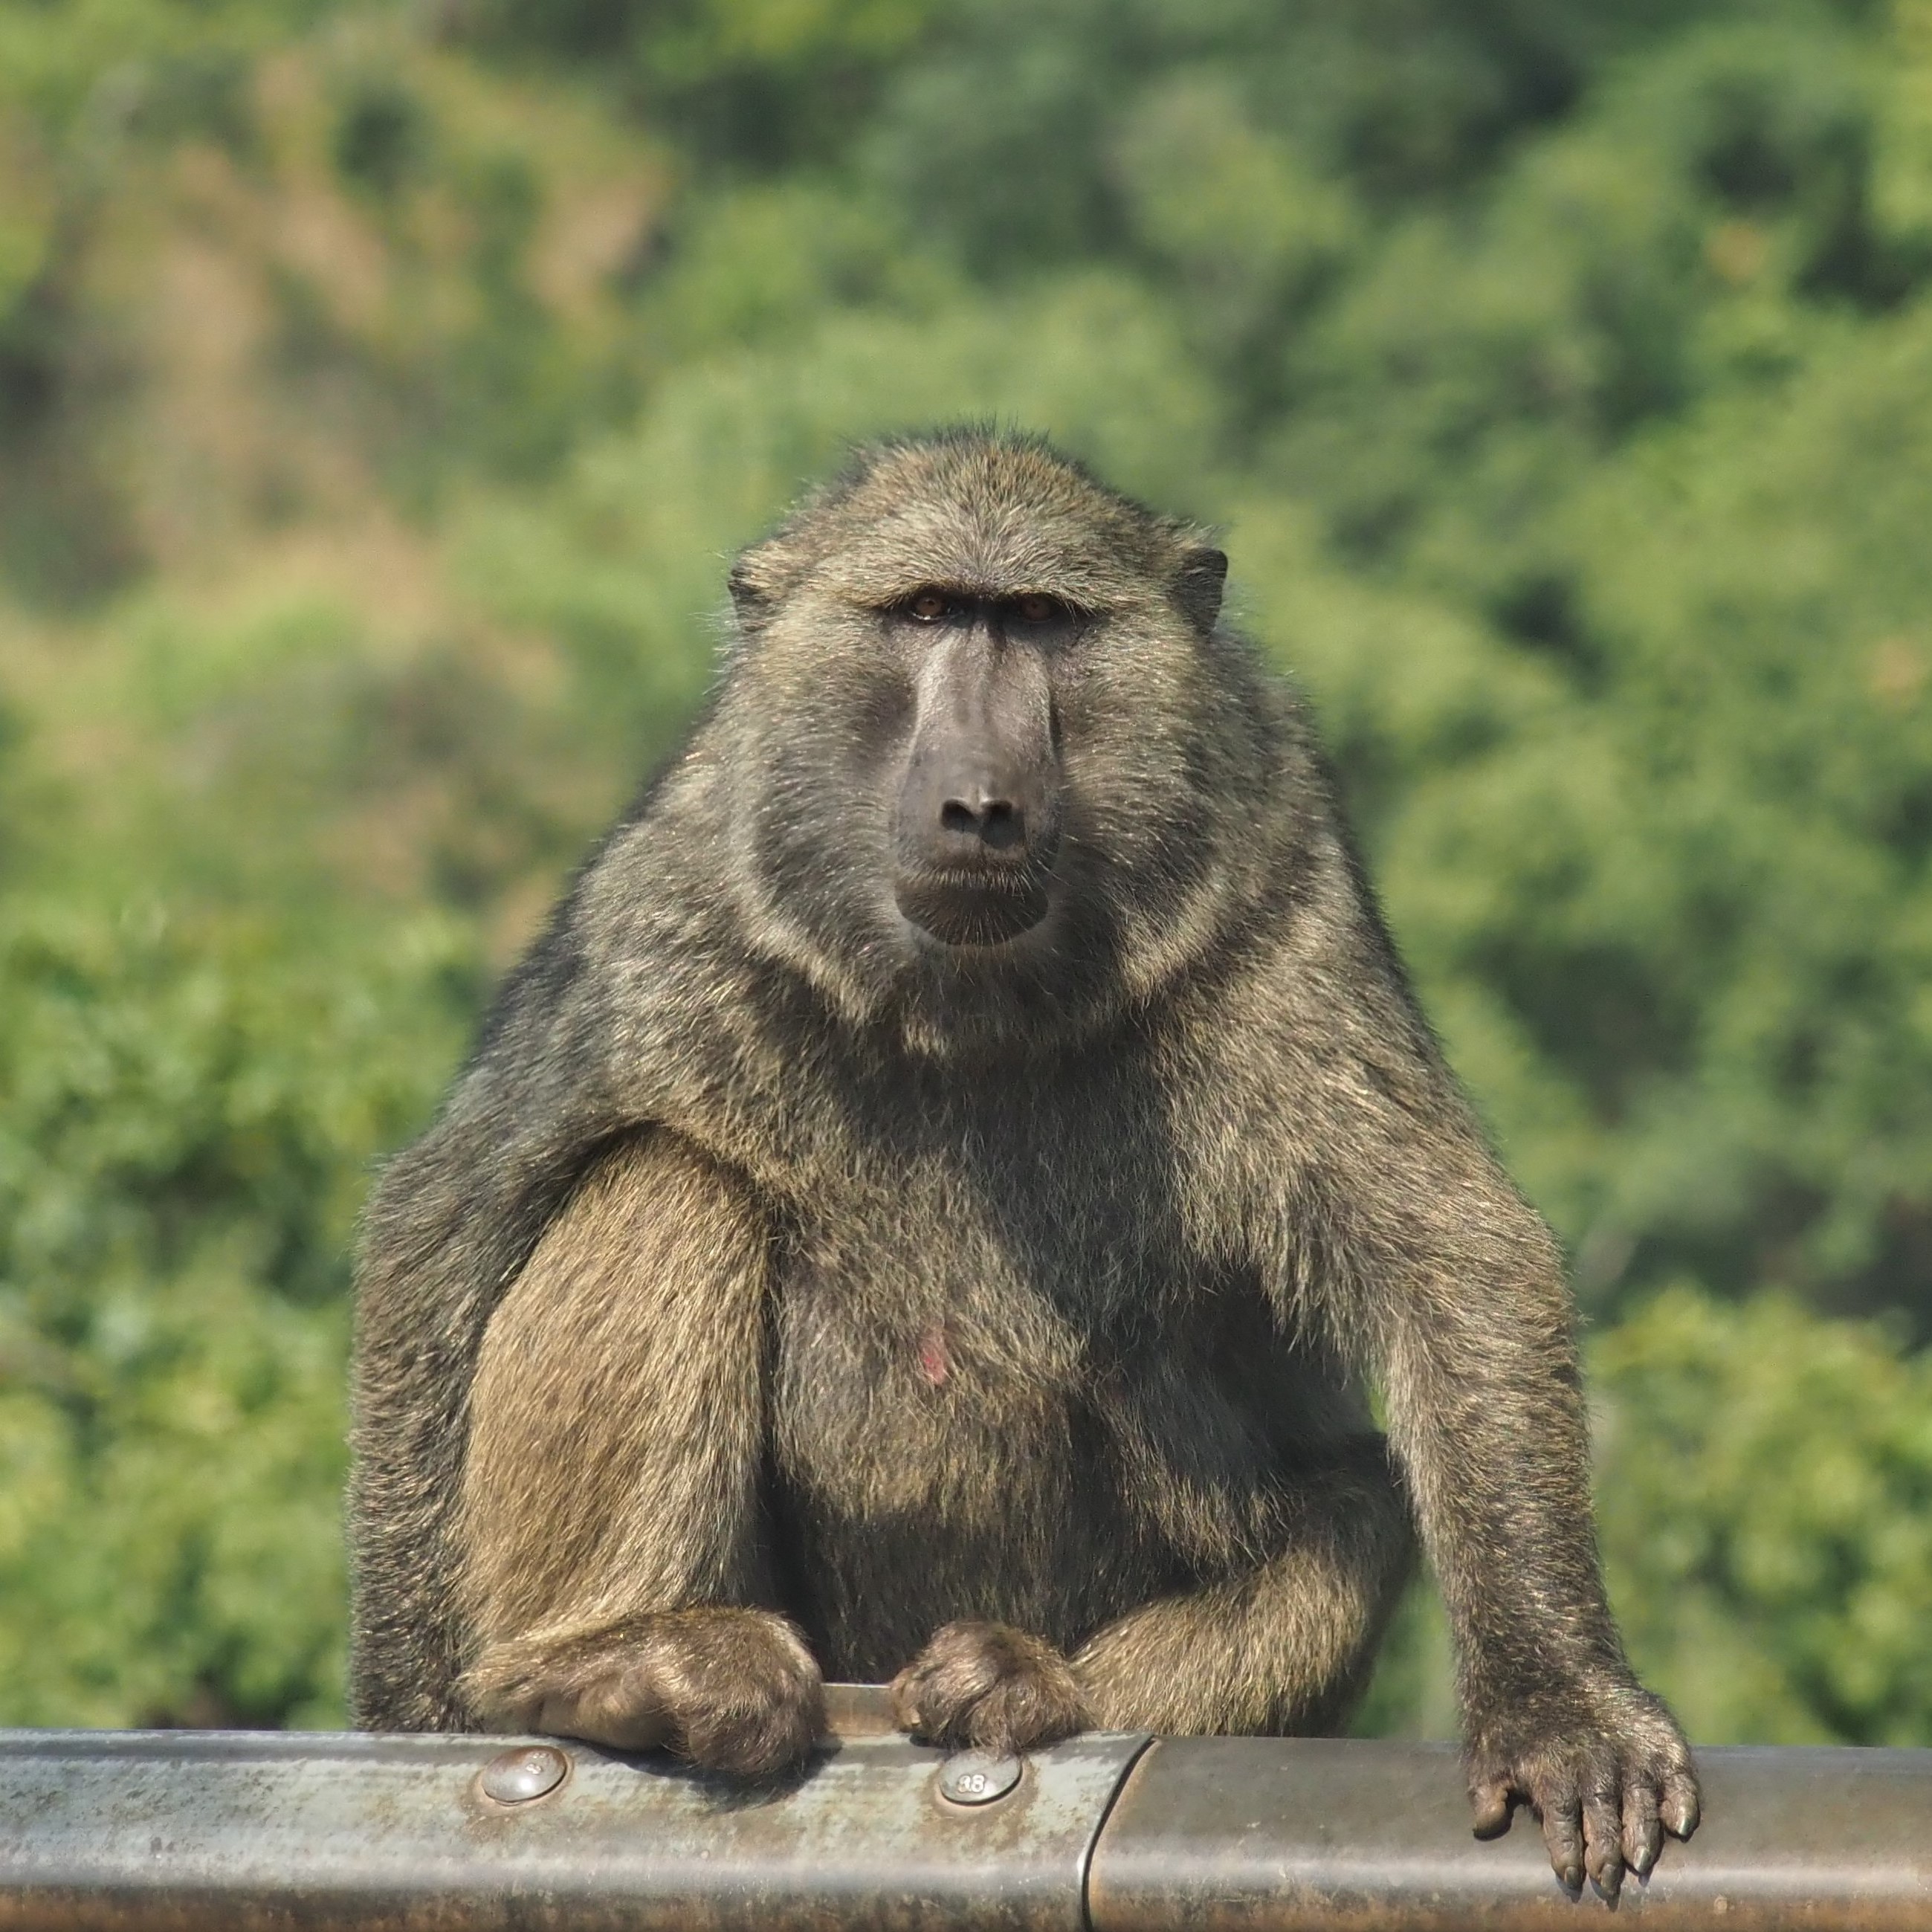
x: 734, y: 1690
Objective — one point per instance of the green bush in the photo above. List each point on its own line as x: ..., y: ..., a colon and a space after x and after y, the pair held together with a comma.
x: 187, y: 1112
x: 1766, y: 1486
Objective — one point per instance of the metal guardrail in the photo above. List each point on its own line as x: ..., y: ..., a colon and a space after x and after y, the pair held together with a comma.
x: 201, y: 1831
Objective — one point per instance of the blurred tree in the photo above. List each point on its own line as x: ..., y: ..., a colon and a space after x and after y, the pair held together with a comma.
x: 252, y: 281
x: 186, y: 1112
x: 750, y: 84
x: 1767, y: 1487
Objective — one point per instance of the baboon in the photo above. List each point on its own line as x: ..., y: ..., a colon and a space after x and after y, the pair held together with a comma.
x: 933, y: 1204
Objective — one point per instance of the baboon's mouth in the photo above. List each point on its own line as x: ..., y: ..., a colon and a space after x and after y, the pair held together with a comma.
x: 960, y: 909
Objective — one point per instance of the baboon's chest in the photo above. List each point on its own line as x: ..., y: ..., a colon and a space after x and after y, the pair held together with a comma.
x: 911, y: 1347
x: 966, y: 1403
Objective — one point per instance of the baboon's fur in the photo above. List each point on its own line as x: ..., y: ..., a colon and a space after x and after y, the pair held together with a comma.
x: 642, y: 1317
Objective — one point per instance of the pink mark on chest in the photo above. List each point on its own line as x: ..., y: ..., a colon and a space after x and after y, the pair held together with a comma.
x: 935, y: 1362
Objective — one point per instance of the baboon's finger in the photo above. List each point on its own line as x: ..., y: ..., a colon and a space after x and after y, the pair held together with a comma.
x: 1681, y: 1809
x: 1563, y: 1834
x: 1643, y: 1837
x: 616, y: 1710
x: 1492, y: 1800
x: 1603, y: 1841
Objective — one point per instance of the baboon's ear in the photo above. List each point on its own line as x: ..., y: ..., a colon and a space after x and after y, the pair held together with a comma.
x: 748, y: 593
x: 1197, y: 585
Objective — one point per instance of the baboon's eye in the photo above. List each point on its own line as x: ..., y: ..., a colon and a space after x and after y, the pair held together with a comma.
x: 930, y: 607
x: 1035, y: 608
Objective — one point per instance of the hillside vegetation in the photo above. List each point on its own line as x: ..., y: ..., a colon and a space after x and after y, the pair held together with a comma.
x: 381, y: 388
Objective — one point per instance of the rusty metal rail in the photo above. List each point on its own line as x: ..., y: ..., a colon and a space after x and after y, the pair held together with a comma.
x: 137, y: 1832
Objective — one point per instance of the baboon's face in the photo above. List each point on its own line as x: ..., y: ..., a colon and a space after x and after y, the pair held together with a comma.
x: 984, y: 727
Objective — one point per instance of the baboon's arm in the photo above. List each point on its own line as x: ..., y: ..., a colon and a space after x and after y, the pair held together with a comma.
x: 611, y: 1567
x: 1284, y: 1648
x: 1451, y: 1289
x: 617, y: 1414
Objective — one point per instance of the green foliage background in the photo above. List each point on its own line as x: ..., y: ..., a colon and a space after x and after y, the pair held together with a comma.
x: 381, y: 388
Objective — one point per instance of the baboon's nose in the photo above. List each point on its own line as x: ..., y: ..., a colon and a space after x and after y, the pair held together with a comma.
x: 977, y: 823
x: 980, y: 810
x: 975, y: 843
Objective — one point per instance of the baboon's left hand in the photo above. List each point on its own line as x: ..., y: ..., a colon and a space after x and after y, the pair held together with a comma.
x: 1607, y: 1770
x: 988, y: 1686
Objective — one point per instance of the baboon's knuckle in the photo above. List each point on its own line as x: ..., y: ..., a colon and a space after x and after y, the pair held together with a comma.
x: 971, y: 1650
x: 781, y: 1674
x: 765, y: 1631
x: 956, y: 1682
x: 749, y: 1729
x: 745, y: 1750
x: 1557, y: 1792
x: 681, y: 1689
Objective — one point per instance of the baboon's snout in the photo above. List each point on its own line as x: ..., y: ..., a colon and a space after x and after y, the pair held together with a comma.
x: 977, y: 824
